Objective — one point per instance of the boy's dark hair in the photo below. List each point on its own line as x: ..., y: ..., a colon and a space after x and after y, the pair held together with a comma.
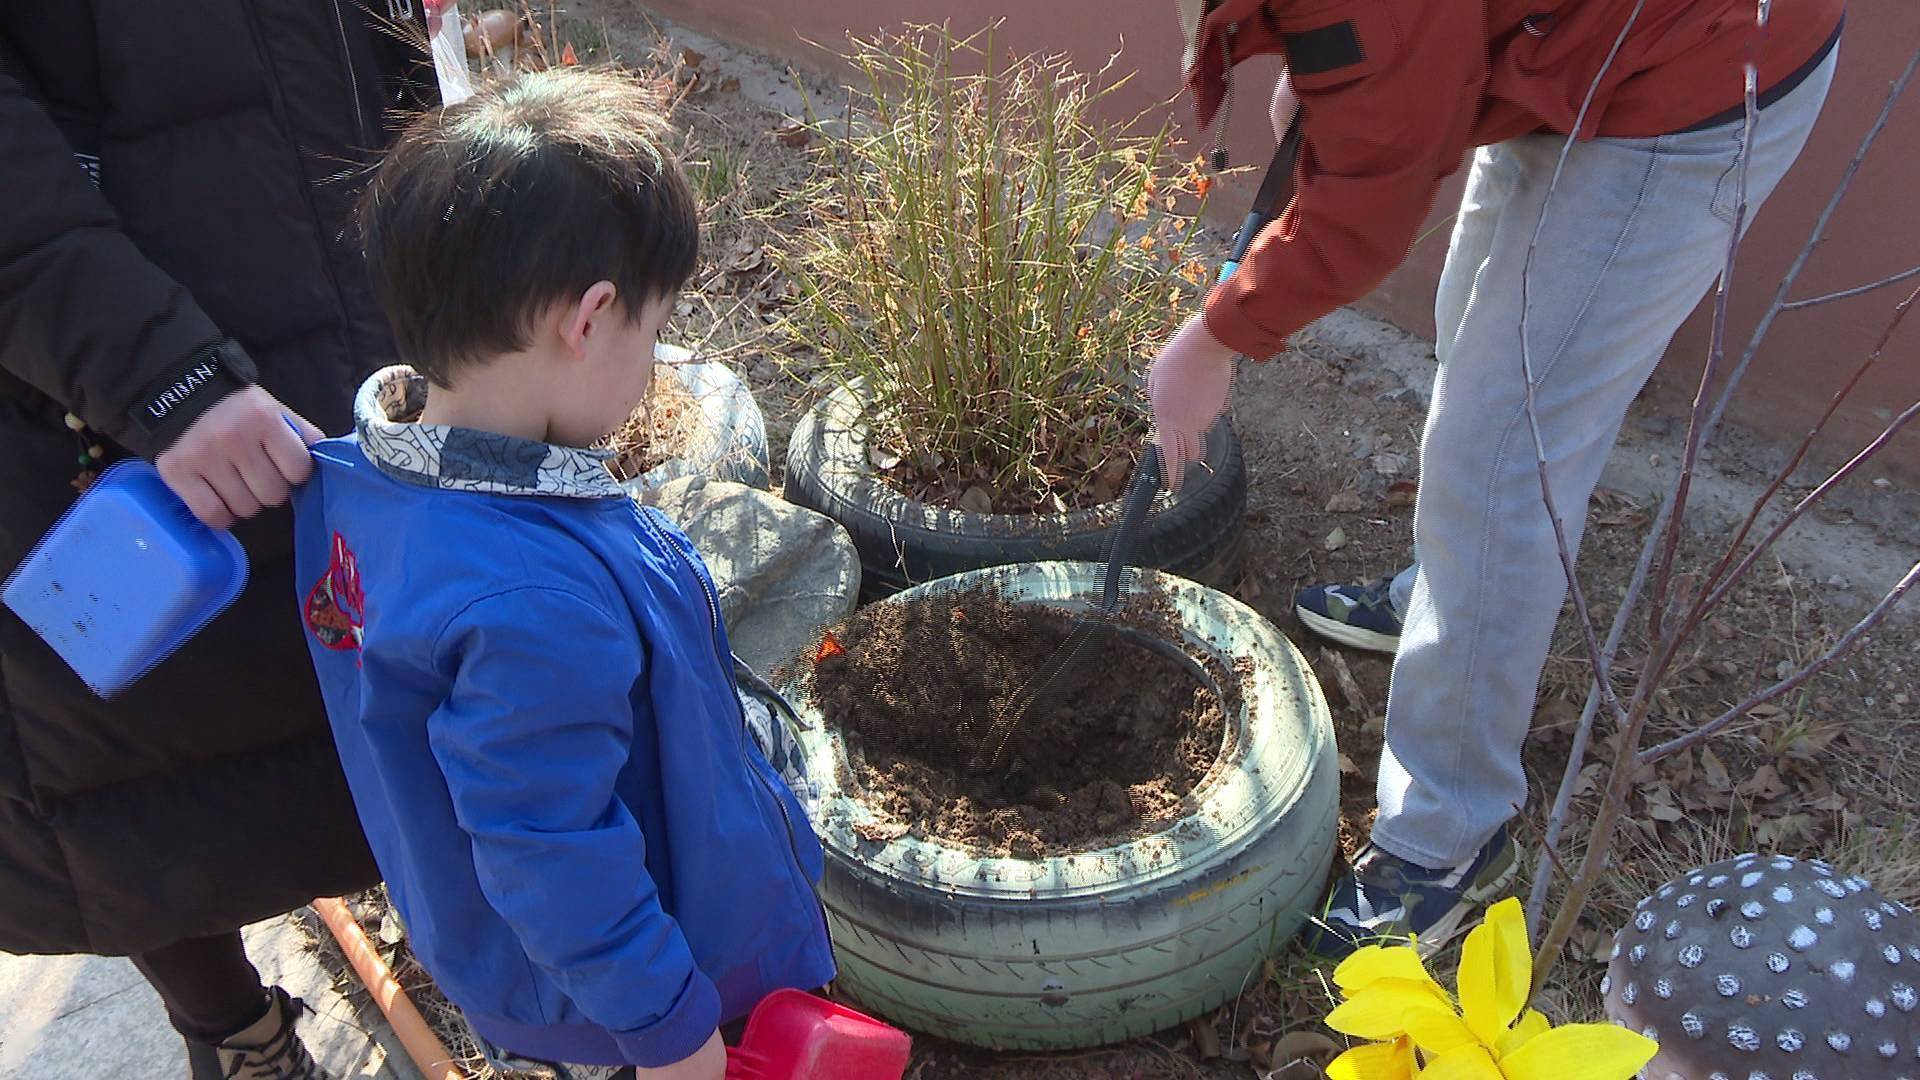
x: 486, y: 213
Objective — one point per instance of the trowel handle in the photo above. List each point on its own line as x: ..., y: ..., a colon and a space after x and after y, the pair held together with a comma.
x: 1267, y: 199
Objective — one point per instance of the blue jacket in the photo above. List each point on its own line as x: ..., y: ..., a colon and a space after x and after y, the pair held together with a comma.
x: 535, y: 705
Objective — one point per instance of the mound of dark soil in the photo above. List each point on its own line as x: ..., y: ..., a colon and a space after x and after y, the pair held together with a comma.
x: 918, y: 685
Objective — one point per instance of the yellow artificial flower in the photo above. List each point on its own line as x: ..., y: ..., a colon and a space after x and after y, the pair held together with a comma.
x: 1466, y: 1063
x: 1580, y: 1052
x: 1376, y: 1061
x: 1414, y: 1029
x: 1531, y: 1023
x: 1382, y: 985
x: 1496, y: 972
x: 1372, y: 962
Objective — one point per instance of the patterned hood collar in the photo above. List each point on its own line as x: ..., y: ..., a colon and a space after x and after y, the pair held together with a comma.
x: 385, y: 415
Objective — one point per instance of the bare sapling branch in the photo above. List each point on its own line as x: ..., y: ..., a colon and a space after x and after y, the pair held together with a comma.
x: 1620, y: 775
x: 1716, y: 353
x: 1666, y: 514
x: 1787, y: 685
x: 1602, y: 691
x: 1814, y: 239
x: 1722, y: 579
x: 1857, y: 290
x: 1582, y: 739
x: 1601, y: 675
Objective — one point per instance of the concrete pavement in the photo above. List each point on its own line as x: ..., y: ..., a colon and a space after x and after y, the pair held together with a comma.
x: 95, y: 1018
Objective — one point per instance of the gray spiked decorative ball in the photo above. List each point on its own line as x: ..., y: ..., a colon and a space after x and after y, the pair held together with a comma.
x: 1770, y: 968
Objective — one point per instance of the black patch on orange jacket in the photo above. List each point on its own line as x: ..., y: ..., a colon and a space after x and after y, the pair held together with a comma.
x: 1323, y: 49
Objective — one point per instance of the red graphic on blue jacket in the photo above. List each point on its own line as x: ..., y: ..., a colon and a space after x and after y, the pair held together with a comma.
x: 336, y: 608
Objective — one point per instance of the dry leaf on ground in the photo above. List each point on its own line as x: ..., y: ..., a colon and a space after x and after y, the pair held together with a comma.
x: 1714, y: 770
x: 1206, y: 1040
x: 1302, y: 1055
x: 793, y: 133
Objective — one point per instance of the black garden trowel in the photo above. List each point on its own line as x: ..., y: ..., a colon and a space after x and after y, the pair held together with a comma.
x: 1064, y: 671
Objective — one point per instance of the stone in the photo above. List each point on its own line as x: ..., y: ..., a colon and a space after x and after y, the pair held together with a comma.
x: 783, y: 573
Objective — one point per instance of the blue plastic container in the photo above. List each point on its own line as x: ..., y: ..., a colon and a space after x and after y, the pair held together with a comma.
x: 125, y: 577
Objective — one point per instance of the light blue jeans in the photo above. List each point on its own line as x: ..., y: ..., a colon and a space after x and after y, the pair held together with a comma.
x: 1635, y: 236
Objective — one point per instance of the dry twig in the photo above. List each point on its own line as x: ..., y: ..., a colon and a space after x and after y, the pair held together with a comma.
x: 1349, y: 686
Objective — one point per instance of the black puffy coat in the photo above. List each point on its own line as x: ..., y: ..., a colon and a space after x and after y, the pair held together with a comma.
x: 174, y: 178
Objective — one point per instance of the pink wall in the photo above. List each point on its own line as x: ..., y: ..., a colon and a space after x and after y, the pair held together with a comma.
x: 1875, y: 233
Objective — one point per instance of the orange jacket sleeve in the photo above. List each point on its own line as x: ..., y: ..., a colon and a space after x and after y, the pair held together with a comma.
x: 1388, y: 93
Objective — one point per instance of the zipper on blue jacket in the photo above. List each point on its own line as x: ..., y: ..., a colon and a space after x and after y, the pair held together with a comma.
x: 726, y: 664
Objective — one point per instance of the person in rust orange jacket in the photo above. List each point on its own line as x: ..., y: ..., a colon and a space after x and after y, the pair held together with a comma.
x: 1391, y: 95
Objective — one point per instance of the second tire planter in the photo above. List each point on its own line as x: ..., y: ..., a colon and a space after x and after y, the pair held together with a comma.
x: 729, y: 436
x: 1120, y: 937
x: 1198, y: 534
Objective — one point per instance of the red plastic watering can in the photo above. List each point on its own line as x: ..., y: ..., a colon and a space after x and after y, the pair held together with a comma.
x: 793, y: 1035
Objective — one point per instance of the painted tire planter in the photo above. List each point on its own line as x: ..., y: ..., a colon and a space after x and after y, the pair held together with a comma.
x: 1197, y: 535
x: 732, y: 442
x: 1095, y: 946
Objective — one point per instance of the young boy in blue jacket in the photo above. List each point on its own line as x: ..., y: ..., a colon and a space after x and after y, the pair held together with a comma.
x: 529, y: 683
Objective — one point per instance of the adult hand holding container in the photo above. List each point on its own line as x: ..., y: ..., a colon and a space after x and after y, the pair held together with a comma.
x: 244, y: 454
x: 134, y: 569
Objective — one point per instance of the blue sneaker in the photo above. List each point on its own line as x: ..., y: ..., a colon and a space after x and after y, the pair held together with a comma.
x: 1358, y: 615
x: 1384, y: 899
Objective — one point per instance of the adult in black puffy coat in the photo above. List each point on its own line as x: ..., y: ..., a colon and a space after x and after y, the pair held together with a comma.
x: 176, y: 274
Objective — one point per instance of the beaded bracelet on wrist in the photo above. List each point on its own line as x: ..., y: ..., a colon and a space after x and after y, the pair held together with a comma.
x: 92, y: 455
